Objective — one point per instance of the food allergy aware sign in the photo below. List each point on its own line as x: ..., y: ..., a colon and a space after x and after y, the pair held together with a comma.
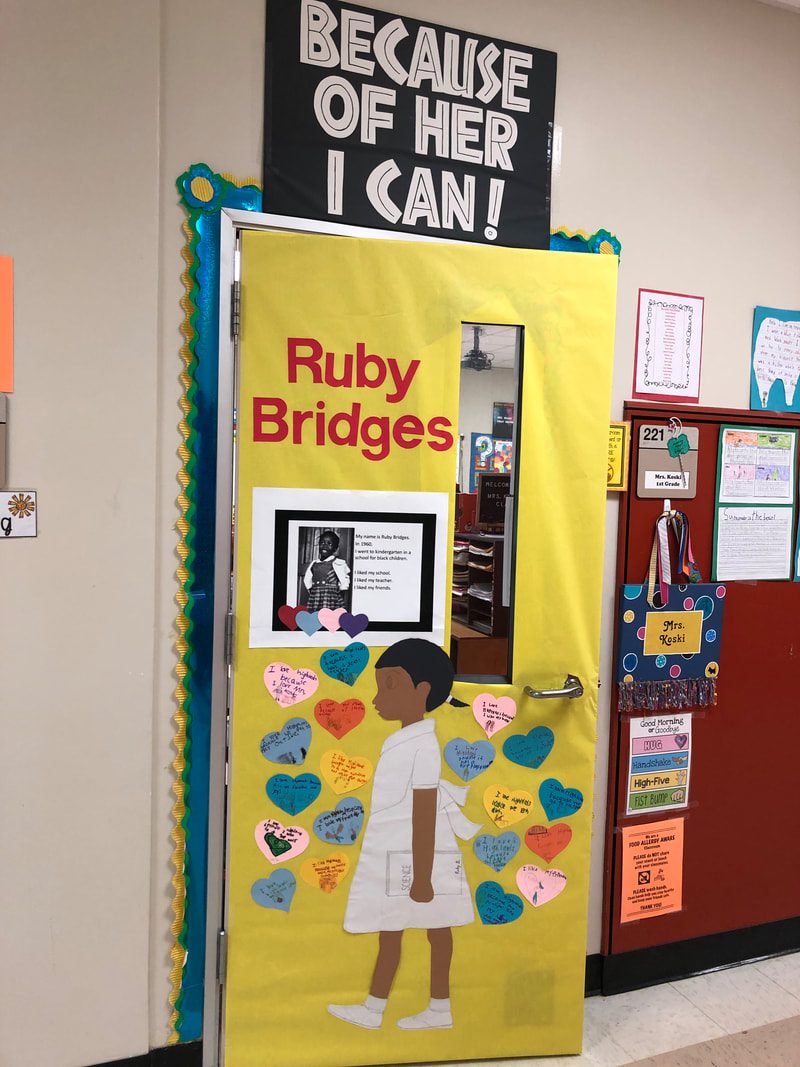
x: 652, y: 870
x: 379, y: 120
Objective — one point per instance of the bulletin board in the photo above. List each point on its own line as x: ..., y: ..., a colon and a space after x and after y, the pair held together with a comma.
x: 741, y: 798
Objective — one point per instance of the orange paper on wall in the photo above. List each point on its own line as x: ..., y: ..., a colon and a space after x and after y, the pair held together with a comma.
x: 6, y: 324
x: 652, y: 870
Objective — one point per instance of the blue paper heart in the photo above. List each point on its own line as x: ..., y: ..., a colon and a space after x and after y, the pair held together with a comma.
x: 496, y: 850
x: 276, y: 891
x: 530, y: 749
x: 345, y: 664
x: 293, y: 795
x: 288, y: 745
x: 308, y: 621
x: 495, y: 906
x: 557, y: 800
x: 468, y: 760
x: 342, y: 825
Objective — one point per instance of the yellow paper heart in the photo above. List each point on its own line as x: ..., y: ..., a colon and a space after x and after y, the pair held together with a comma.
x: 325, y: 873
x: 344, y: 773
x: 507, y: 806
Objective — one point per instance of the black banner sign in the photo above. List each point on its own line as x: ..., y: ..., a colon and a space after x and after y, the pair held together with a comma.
x: 375, y: 119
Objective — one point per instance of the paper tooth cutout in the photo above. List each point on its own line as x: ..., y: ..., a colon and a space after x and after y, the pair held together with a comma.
x: 276, y: 891
x: 342, y: 825
x: 507, y: 806
x: 288, y: 616
x: 548, y: 841
x: 339, y: 719
x: 287, y: 686
x: 530, y: 749
x: 540, y: 886
x: 558, y: 801
x: 325, y: 873
x: 468, y: 760
x: 496, y: 850
x: 329, y: 617
x: 353, y: 624
x: 280, y: 843
x: 345, y: 773
x: 289, y: 745
x: 495, y: 906
x: 493, y: 713
x: 293, y: 795
x: 345, y: 665
x: 309, y: 622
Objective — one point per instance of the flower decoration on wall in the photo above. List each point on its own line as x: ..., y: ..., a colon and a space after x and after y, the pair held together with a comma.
x: 21, y: 505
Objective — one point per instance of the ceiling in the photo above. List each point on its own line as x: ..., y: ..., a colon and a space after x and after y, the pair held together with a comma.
x: 498, y: 341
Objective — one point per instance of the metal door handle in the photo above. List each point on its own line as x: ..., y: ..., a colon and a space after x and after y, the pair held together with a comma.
x: 573, y: 687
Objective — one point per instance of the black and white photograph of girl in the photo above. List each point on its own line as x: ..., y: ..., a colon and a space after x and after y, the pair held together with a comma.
x: 325, y: 567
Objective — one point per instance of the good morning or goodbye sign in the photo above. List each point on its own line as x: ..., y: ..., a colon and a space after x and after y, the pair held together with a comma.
x: 379, y: 120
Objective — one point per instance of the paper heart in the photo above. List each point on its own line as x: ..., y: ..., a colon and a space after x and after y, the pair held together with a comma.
x: 548, y: 841
x: 540, y: 886
x: 681, y: 740
x: 309, y: 622
x: 342, y: 825
x: 293, y: 795
x: 287, y: 686
x: 495, y: 906
x: 345, y: 773
x: 280, y: 843
x: 288, y: 616
x: 530, y: 749
x: 339, y: 719
x: 468, y: 760
x: 558, y: 801
x: 353, y: 624
x: 329, y: 617
x: 276, y: 891
x: 290, y: 744
x: 507, y: 806
x: 325, y: 873
x: 345, y: 665
x: 493, y: 713
x: 496, y: 850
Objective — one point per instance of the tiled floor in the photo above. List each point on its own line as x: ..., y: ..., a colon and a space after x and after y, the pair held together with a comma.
x: 631, y: 1027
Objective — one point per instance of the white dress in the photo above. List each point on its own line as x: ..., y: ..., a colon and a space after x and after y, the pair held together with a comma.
x: 379, y: 896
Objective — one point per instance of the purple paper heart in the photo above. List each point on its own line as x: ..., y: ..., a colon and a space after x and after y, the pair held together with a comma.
x: 353, y: 624
x: 680, y: 740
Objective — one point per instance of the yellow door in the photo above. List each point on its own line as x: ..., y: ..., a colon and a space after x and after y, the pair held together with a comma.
x: 344, y: 832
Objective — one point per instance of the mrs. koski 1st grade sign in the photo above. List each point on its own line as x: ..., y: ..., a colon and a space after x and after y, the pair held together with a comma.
x: 379, y: 120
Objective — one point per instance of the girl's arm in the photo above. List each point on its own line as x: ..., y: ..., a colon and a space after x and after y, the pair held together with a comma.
x: 308, y: 578
x: 342, y: 573
x: 423, y: 839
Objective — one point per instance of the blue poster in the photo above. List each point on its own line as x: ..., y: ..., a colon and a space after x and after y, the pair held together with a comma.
x: 775, y: 360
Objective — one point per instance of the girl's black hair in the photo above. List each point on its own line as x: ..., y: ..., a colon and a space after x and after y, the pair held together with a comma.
x: 333, y: 536
x: 423, y: 661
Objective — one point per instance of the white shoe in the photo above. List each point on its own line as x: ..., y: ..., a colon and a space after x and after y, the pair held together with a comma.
x: 357, y: 1014
x: 427, y: 1020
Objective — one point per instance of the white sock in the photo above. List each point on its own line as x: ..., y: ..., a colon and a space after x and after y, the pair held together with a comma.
x: 379, y: 1003
x: 440, y: 1005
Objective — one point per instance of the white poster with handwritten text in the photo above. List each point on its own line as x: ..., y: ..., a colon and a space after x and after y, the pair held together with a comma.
x: 775, y: 360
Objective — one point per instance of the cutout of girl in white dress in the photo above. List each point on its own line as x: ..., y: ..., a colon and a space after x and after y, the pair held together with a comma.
x: 410, y: 873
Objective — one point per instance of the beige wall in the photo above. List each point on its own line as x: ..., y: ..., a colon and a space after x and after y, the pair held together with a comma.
x: 679, y: 124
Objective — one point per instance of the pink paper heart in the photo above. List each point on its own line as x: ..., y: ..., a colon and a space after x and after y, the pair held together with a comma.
x: 329, y: 617
x: 493, y: 713
x: 280, y: 843
x: 287, y: 686
x: 539, y: 886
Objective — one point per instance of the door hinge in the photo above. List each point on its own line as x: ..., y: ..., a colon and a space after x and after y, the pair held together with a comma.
x: 222, y: 955
x: 229, y: 625
x: 236, y: 308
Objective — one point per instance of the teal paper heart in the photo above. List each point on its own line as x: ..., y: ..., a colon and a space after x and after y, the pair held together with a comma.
x: 530, y: 749
x: 558, y: 801
x: 345, y: 665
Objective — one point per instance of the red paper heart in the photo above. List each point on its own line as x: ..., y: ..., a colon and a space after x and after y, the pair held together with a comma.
x: 288, y: 616
x: 548, y: 841
x: 339, y: 719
